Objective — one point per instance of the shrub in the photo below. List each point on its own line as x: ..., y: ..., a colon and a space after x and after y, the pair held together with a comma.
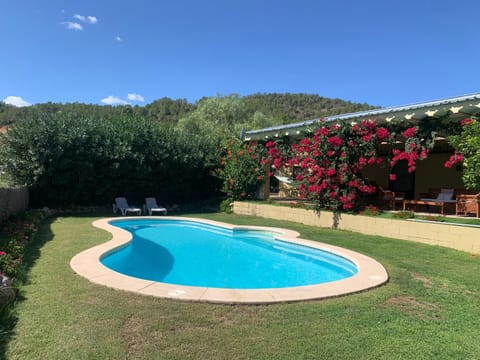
x: 328, y: 162
x: 467, y: 144
x: 370, y: 210
x: 69, y: 160
x: 241, y: 169
x: 226, y: 206
x: 15, y: 234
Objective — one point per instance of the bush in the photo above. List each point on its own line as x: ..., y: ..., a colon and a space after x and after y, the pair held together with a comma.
x: 15, y: 234
x: 467, y: 145
x: 75, y: 160
x: 226, y: 206
x: 241, y: 169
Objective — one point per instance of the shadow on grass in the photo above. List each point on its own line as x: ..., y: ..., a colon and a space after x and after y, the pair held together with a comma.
x: 8, y: 317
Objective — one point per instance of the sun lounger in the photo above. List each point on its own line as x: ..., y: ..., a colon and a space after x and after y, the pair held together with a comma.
x: 445, y: 197
x: 122, y: 205
x: 151, y: 206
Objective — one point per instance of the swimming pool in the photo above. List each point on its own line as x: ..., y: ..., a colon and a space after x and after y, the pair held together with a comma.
x: 266, y: 264
x: 197, y: 254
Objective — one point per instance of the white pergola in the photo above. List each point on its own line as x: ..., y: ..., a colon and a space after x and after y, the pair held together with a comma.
x: 457, y: 107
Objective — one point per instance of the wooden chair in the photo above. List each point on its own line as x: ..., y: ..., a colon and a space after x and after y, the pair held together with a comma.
x: 390, y: 198
x: 468, y: 204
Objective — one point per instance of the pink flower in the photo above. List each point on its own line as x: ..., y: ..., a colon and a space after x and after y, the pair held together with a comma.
x: 367, y: 137
x: 410, y: 132
x: 2, y: 253
x: 362, y: 161
x: 382, y: 133
x: 323, y: 131
x: 270, y: 144
x: 466, y: 122
x: 456, y: 158
x: 393, y: 177
x: 335, y: 141
x: 305, y: 141
x: 331, y: 172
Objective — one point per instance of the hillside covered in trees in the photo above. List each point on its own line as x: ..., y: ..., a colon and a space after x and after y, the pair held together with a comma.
x: 255, y: 111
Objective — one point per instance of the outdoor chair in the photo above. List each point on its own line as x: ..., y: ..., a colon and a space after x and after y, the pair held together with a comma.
x: 390, y: 198
x: 468, y: 204
x: 151, y: 206
x: 122, y: 205
x: 445, y: 197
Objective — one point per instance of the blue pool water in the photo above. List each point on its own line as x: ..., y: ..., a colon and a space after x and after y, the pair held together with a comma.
x: 196, y: 254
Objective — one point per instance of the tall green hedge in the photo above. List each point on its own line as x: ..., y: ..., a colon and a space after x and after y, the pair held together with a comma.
x: 69, y: 159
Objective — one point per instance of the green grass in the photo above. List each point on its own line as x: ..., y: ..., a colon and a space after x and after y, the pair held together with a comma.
x: 430, y: 309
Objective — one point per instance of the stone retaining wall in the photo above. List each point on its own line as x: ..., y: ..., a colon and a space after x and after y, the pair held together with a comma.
x: 13, y: 201
x: 453, y: 236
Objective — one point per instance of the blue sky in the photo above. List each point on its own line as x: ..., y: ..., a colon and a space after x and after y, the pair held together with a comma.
x: 380, y: 52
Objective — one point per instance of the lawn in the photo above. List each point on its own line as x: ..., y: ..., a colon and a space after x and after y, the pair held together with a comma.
x: 430, y: 309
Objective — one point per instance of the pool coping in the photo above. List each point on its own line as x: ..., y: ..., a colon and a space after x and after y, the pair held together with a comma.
x: 87, y: 264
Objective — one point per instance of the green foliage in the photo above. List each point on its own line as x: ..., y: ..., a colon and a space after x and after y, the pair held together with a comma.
x: 15, y: 233
x: 226, y: 206
x: 166, y: 110
x: 216, y: 117
x: 468, y: 144
x: 370, y: 210
x: 404, y: 215
x: 287, y: 108
x: 257, y: 110
x: 241, y: 169
x: 69, y: 159
x: 10, y: 114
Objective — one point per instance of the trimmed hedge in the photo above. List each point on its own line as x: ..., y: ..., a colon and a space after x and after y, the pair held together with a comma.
x: 72, y: 160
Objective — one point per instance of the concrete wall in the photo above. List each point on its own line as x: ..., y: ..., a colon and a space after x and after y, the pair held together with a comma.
x: 13, y: 201
x: 452, y: 236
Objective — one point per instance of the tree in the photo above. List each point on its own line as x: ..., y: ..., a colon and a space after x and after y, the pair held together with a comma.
x: 467, y: 145
x: 166, y: 110
x: 216, y: 117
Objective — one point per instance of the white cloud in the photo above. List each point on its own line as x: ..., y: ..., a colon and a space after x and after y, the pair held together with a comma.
x: 118, y: 39
x: 79, y: 17
x: 92, y: 19
x: 16, y: 101
x: 73, y: 25
x: 114, y: 100
x: 86, y: 19
x: 135, y: 97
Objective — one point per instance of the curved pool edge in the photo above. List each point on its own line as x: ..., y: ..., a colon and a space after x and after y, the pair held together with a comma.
x: 87, y: 264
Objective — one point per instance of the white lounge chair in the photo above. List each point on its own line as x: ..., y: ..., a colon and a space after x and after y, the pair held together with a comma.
x: 122, y: 205
x: 152, y: 206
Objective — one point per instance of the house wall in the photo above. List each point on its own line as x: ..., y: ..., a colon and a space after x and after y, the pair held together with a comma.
x: 431, y: 173
x: 377, y: 174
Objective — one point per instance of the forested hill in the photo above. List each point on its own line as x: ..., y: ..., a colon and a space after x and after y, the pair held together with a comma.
x: 270, y: 108
x: 288, y: 108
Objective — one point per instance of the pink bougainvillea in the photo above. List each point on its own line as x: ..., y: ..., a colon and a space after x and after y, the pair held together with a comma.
x: 329, y: 163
